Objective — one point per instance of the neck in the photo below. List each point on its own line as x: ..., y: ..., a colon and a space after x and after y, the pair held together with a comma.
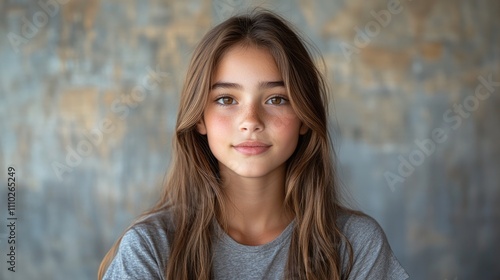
x: 255, y: 209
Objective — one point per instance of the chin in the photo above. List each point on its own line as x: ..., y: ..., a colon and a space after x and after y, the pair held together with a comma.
x: 251, y: 174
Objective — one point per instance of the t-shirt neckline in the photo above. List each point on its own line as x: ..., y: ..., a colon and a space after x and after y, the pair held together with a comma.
x: 225, y: 239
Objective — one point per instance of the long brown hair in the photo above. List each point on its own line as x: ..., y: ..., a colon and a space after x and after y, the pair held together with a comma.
x: 192, y: 190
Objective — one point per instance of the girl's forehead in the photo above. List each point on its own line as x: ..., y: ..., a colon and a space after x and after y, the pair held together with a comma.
x: 246, y: 62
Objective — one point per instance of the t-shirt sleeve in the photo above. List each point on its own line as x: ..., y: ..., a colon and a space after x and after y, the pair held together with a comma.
x: 372, y: 254
x: 135, y: 258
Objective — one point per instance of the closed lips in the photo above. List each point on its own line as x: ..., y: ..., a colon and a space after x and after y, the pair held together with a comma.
x: 252, y: 144
x: 252, y: 148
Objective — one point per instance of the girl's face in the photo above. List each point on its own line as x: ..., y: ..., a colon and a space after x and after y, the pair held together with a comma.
x: 250, y: 124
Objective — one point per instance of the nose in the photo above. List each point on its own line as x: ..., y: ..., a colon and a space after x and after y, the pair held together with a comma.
x: 252, y: 120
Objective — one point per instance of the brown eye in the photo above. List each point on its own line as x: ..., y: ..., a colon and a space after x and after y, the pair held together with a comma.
x: 277, y: 100
x: 225, y: 100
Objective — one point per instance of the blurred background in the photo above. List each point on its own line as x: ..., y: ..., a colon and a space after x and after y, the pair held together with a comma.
x: 89, y: 93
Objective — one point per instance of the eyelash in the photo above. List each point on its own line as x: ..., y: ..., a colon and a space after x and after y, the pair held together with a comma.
x: 283, y: 99
x: 221, y: 98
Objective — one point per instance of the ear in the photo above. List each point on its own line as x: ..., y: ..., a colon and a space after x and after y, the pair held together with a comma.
x: 201, y: 128
x: 303, y: 129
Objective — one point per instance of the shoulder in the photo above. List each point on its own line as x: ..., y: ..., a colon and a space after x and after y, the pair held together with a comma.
x: 143, y: 249
x: 156, y: 227
x: 152, y: 232
x: 359, y: 227
x: 372, y: 255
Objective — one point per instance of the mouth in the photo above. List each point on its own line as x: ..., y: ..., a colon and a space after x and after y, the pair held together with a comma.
x: 252, y: 148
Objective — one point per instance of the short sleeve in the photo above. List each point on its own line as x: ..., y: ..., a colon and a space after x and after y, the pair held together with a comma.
x: 135, y: 259
x: 372, y: 254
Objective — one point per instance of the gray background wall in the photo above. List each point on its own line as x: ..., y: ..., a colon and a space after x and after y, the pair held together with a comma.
x: 397, y: 73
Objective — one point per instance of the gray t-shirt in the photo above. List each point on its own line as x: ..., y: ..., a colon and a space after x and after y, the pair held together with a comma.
x: 144, y: 249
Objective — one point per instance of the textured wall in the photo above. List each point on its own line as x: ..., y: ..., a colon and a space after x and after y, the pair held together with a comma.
x: 89, y: 93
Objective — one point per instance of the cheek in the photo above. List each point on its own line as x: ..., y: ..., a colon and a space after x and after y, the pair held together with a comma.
x: 287, y: 123
x: 217, y: 124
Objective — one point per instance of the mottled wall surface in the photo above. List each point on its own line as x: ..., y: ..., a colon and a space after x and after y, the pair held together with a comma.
x: 89, y: 93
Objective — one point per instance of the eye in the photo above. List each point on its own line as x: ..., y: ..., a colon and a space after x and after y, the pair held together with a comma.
x: 225, y: 100
x: 277, y: 100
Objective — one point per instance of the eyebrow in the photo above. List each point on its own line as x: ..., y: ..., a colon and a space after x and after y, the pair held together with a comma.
x: 262, y: 85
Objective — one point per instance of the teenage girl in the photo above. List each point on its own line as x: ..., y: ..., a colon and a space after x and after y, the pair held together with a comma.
x: 252, y: 190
